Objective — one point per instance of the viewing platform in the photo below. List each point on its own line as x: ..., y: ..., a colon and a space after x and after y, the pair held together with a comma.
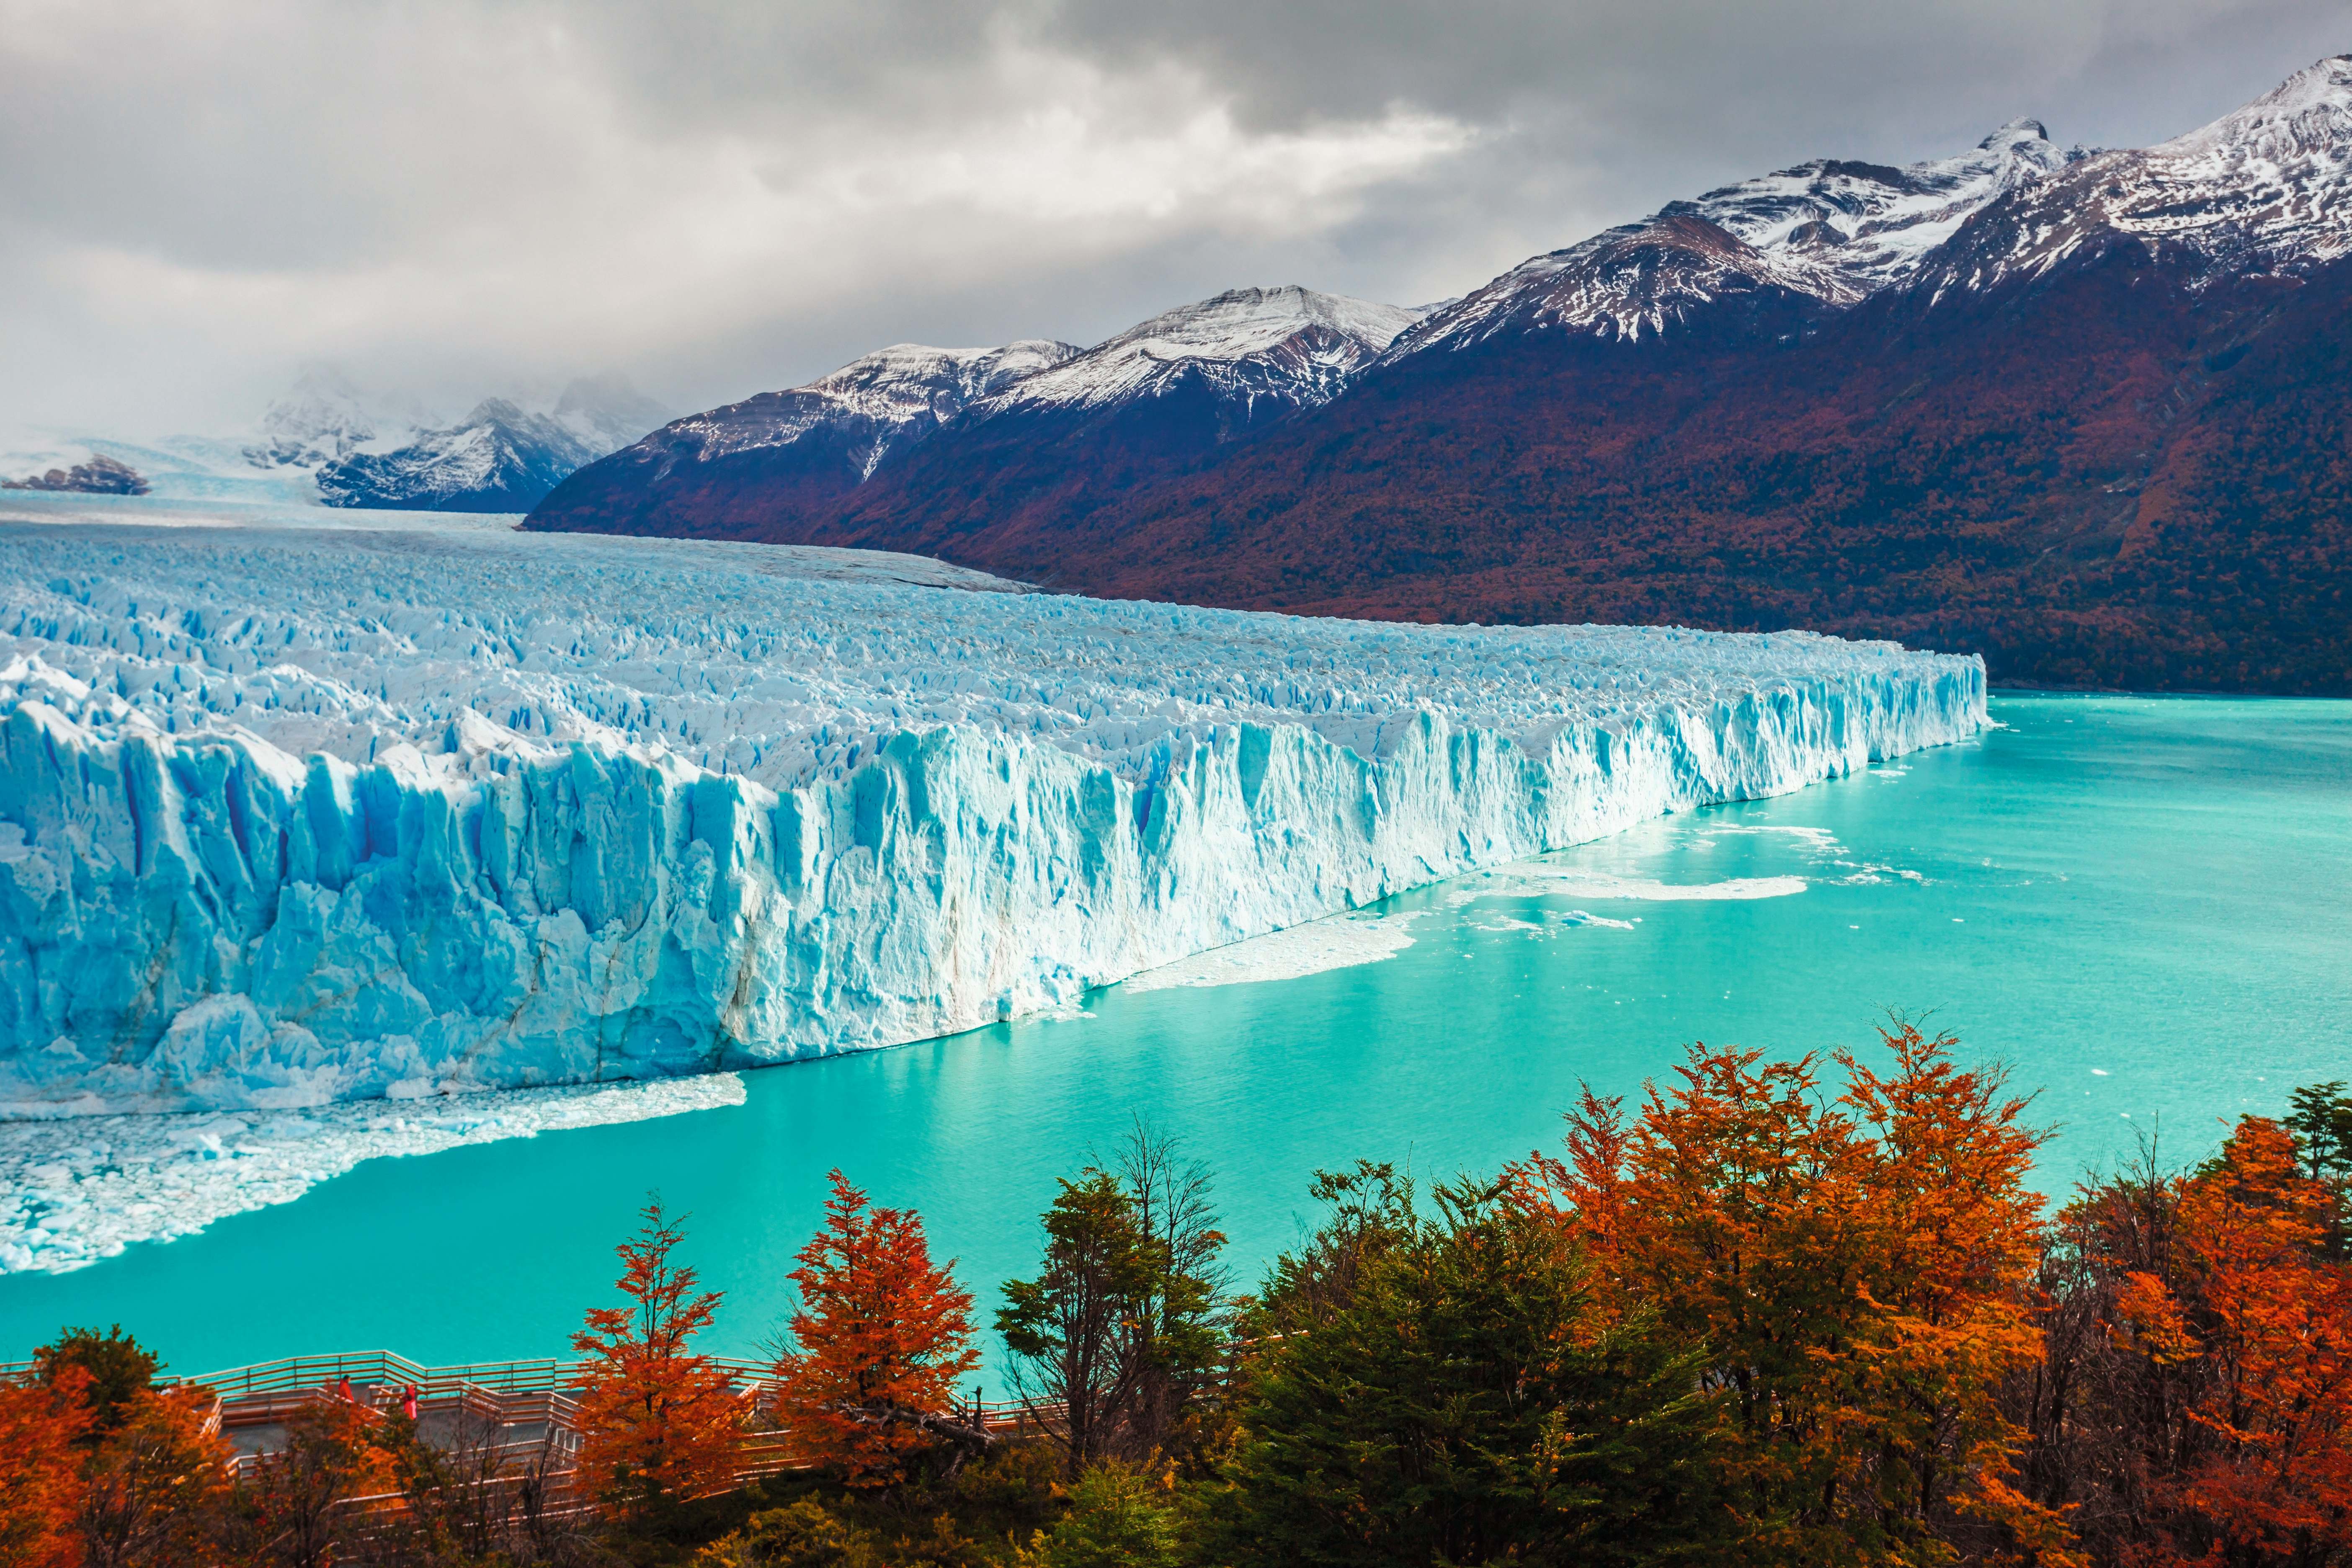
x: 511, y: 1417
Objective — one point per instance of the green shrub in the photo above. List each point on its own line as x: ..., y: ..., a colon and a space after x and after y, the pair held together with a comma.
x: 1118, y: 1518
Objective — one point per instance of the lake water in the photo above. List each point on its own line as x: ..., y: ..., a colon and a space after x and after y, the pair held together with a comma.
x: 2144, y: 905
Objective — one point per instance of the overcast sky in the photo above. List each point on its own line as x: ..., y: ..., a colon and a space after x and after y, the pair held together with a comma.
x: 456, y: 197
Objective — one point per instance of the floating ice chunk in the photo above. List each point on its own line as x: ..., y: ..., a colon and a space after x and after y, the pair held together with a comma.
x: 1535, y: 879
x: 1311, y: 949
x: 74, y: 1192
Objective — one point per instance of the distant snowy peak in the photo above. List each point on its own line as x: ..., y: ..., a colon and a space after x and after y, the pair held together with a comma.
x: 501, y: 456
x: 321, y: 420
x: 876, y: 406
x: 2267, y: 187
x: 1830, y: 230
x: 1290, y: 344
x: 498, y: 458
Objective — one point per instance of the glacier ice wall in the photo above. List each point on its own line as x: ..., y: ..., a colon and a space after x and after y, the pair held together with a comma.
x: 290, y: 816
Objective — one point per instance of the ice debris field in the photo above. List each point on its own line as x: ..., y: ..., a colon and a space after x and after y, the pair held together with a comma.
x: 292, y: 816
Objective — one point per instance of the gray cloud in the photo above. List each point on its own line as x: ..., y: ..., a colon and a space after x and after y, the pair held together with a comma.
x: 456, y: 194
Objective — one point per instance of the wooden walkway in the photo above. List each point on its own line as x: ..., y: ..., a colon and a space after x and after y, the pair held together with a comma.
x: 533, y: 1406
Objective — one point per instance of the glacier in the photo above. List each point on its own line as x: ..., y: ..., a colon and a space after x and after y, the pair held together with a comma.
x: 291, y: 814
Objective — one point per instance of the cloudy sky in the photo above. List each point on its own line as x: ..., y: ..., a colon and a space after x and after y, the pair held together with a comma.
x: 454, y: 197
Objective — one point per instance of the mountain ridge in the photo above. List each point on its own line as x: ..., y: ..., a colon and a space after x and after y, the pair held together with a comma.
x: 2011, y: 401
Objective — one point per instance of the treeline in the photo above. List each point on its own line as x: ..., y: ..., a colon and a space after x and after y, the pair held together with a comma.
x: 1801, y: 1312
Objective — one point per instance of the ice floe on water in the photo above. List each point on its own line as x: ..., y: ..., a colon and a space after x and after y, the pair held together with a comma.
x: 74, y: 1190
x: 1537, y: 880
x: 1311, y: 949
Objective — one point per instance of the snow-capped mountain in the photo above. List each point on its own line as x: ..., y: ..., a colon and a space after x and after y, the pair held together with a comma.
x: 500, y: 458
x: 1182, y: 381
x: 1829, y: 232
x: 2265, y: 188
x: 868, y: 409
x: 605, y: 412
x: 1265, y: 349
x: 801, y: 448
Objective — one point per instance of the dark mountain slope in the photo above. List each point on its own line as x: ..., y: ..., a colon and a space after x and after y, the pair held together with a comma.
x: 939, y: 439
x: 2098, y: 475
x: 730, y: 472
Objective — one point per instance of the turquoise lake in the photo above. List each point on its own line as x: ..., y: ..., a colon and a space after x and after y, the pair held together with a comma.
x: 2144, y: 905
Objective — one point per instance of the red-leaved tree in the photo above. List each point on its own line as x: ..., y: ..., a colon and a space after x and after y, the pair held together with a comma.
x: 2249, y: 1330
x: 883, y: 1336
x: 40, y: 1482
x: 1854, y: 1271
x: 658, y: 1423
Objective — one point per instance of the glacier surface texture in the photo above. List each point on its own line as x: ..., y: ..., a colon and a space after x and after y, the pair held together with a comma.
x: 292, y: 816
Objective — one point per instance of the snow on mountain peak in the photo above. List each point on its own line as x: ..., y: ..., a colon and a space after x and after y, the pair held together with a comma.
x: 2016, y: 133
x: 1290, y: 344
x: 2299, y: 133
x: 2267, y: 186
x: 1833, y: 230
x: 607, y: 413
x: 878, y: 404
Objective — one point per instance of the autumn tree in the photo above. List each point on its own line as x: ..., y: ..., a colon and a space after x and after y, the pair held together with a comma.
x: 2244, y: 1328
x: 41, y: 1427
x: 658, y: 1423
x: 291, y: 1505
x: 1855, y: 1270
x: 881, y: 1340
x: 155, y: 1485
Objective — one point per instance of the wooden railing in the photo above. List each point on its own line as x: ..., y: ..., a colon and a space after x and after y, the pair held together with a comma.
x: 511, y: 1391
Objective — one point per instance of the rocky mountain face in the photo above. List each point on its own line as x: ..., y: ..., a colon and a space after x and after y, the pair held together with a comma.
x: 2081, y: 412
x: 102, y: 475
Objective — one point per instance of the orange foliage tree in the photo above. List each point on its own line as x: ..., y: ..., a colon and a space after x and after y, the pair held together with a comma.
x: 883, y: 1335
x: 658, y: 1423
x: 2246, y: 1321
x: 155, y: 1483
x: 1854, y: 1274
x: 40, y: 1464
x: 293, y: 1500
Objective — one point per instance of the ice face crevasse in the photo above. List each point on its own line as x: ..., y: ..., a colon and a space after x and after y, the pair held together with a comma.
x: 297, y: 817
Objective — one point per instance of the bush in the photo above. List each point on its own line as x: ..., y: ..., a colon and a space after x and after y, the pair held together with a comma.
x: 802, y: 1534
x: 1118, y: 1518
